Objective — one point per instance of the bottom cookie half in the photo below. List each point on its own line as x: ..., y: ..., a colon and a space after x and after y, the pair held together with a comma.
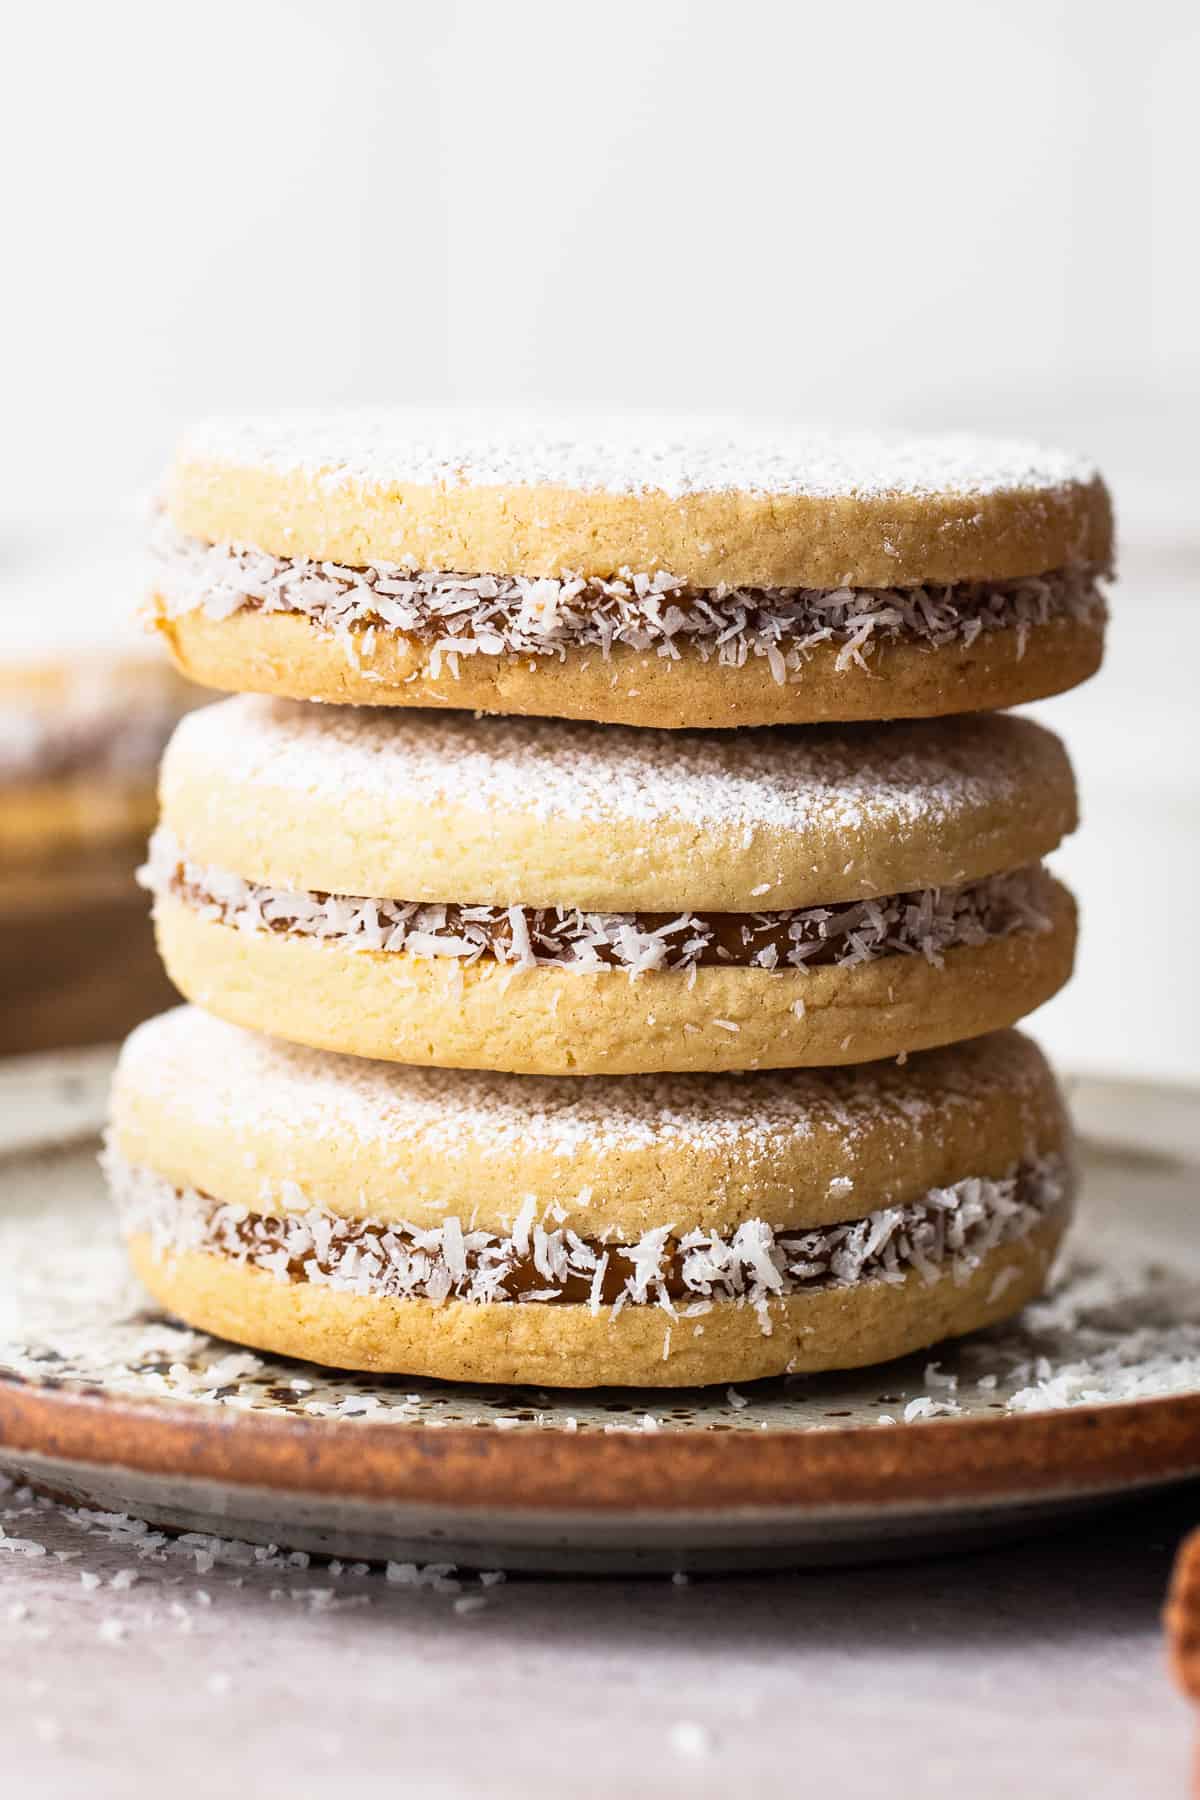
x: 569, y: 1345
x: 563, y: 1021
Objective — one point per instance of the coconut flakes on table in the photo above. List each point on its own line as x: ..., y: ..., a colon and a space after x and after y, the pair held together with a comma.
x: 926, y: 1407
x: 467, y: 1604
x: 1143, y: 1365
x: 441, y: 1577
x: 691, y: 1740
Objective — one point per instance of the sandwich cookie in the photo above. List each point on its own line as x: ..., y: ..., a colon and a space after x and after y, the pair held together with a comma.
x: 86, y: 705
x: 639, y: 574
x: 557, y: 898
x: 79, y: 751
x: 666, y: 1232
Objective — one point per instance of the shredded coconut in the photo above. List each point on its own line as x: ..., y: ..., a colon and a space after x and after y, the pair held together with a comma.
x: 949, y: 1229
x: 460, y: 615
x: 928, y: 923
x: 690, y: 1739
x: 925, y: 1407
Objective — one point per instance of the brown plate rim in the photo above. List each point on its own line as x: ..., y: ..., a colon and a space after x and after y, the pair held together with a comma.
x: 1087, y: 1449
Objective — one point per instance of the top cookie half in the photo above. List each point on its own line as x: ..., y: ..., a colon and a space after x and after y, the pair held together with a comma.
x: 632, y: 574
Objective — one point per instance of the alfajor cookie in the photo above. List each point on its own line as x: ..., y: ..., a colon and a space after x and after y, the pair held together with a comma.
x: 636, y: 574
x: 86, y: 705
x: 556, y: 898
x: 80, y: 741
x: 664, y: 1232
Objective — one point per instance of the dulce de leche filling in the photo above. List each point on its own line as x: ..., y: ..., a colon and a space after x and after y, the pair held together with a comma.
x: 925, y: 922
x: 464, y: 615
x: 946, y: 1230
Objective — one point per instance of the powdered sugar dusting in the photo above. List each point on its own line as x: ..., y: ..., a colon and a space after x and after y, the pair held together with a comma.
x: 245, y: 1085
x: 633, y: 455
x: 910, y: 775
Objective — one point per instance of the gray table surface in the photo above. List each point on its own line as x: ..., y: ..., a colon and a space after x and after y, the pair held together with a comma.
x: 1031, y: 1669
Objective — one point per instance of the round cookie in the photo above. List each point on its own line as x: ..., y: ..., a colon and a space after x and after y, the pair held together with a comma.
x: 79, y: 749
x: 556, y: 898
x: 637, y: 574
x: 87, y: 702
x: 80, y: 741
x: 665, y: 1232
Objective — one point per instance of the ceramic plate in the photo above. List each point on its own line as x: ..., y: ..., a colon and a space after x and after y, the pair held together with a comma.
x: 1092, y: 1396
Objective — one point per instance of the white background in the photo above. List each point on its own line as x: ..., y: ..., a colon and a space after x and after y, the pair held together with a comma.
x: 950, y: 213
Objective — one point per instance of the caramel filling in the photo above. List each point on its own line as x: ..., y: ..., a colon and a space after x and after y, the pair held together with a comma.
x: 459, y: 615
x: 926, y: 922
x: 946, y: 1230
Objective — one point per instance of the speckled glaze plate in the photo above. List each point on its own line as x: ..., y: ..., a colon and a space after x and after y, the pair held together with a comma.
x: 1092, y: 1396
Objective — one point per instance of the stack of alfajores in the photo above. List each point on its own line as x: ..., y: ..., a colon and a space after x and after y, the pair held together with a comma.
x: 546, y: 1027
